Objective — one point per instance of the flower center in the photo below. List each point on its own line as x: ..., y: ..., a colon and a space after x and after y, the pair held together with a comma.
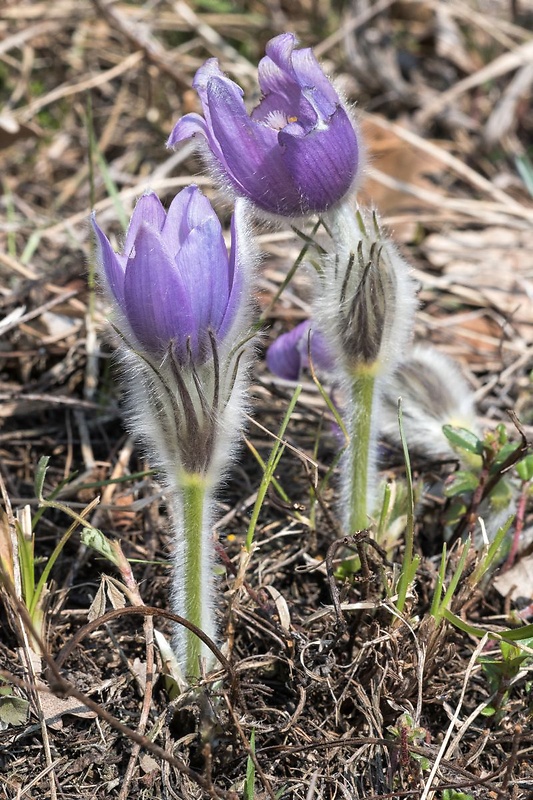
x: 278, y: 120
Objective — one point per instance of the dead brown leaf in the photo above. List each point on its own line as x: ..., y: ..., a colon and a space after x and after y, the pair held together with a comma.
x: 396, y: 157
x: 6, y: 547
x: 54, y: 708
x: 495, y: 263
x: 517, y: 581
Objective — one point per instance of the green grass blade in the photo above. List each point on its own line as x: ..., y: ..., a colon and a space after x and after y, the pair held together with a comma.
x: 437, y: 594
x: 271, y: 465
x: 407, y: 573
x: 453, y: 583
x: 492, y: 553
x: 249, y: 785
x: 40, y: 475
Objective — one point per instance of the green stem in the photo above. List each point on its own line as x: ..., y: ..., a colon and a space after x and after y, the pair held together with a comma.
x: 194, y: 489
x: 288, y: 278
x: 360, y: 450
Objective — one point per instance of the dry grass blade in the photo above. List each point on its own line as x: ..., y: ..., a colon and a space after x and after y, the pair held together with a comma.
x: 507, y: 62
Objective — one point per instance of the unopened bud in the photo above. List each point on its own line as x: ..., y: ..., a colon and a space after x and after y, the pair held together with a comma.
x: 370, y: 300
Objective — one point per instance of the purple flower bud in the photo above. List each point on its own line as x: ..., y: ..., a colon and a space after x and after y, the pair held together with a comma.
x: 175, y: 283
x: 289, y: 354
x: 298, y: 153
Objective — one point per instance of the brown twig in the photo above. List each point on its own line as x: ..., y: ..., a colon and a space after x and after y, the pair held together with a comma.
x: 141, y: 38
x: 60, y: 687
x: 63, y: 688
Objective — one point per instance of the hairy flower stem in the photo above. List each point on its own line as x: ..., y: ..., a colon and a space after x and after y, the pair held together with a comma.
x: 194, y: 496
x: 361, y: 459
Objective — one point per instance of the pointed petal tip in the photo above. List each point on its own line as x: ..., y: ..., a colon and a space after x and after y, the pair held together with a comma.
x: 209, y: 69
x: 94, y: 224
x: 112, y: 268
x: 282, y: 41
x: 186, y: 128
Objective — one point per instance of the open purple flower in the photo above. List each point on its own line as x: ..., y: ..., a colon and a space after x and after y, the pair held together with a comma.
x: 298, y: 153
x: 174, y: 282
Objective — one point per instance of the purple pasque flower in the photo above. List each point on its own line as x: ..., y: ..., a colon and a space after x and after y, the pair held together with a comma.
x: 289, y: 353
x: 297, y: 153
x: 174, y: 282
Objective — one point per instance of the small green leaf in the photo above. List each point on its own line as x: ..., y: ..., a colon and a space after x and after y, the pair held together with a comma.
x: 422, y: 760
x: 13, y: 711
x: 455, y: 512
x: 512, y: 653
x: 525, y: 468
x: 462, y: 481
x: 95, y: 539
x: 503, y: 455
x: 501, y: 496
x: 463, y: 439
x: 40, y: 475
x: 502, y: 433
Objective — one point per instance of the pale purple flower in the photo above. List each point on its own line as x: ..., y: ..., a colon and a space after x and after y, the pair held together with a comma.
x: 289, y: 354
x: 174, y: 282
x: 298, y: 153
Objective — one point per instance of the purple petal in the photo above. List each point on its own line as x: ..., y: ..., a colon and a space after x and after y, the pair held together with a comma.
x: 251, y: 151
x: 280, y: 87
x: 289, y: 354
x: 202, y: 80
x: 155, y: 297
x: 279, y: 50
x: 284, y: 357
x: 315, y: 85
x: 148, y: 210
x: 185, y: 128
x: 302, y: 69
x: 323, y: 163
x: 235, y: 268
x: 202, y: 264
x: 209, y: 69
x: 192, y: 124
x: 198, y: 208
x: 188, y: 210
x: 112, y: 264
